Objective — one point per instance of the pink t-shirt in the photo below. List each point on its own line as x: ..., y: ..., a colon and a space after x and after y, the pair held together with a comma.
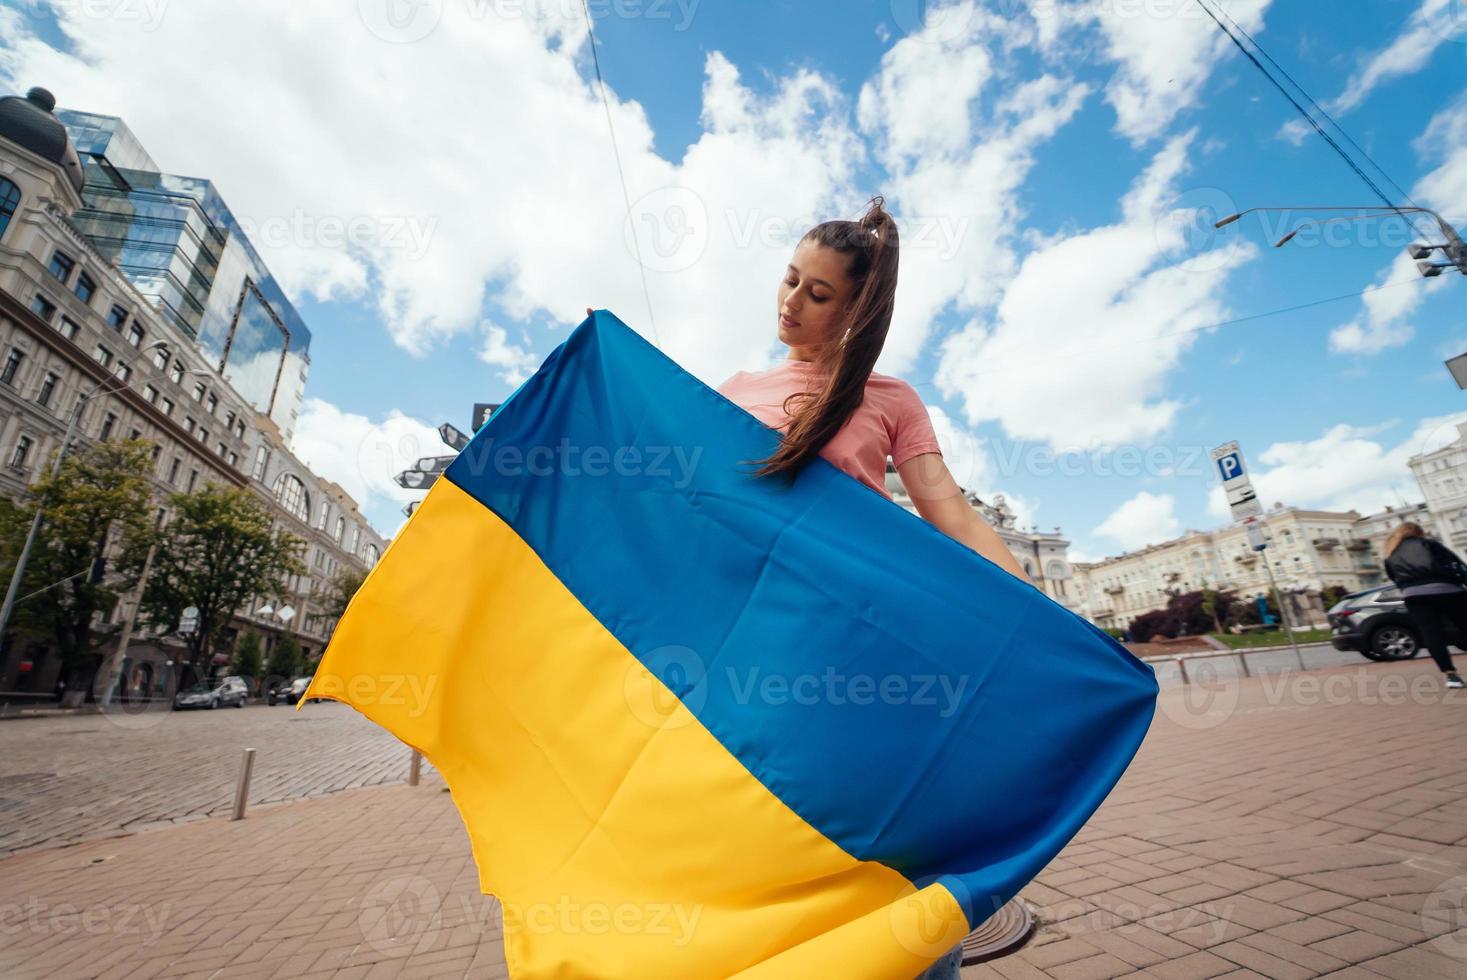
x: 891, y: 421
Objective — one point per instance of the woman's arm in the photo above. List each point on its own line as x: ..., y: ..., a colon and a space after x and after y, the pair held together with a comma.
x: 940, y: 500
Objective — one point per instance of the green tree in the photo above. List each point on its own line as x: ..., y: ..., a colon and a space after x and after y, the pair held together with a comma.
x: 286, y: 658
x: 247, y: 657
x: 95, y: 529
x: 331, y: 600
x: 221, y: 554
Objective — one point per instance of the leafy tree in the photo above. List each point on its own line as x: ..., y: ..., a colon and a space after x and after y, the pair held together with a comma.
x: 222, y: 553
x: 247, y: 657
x: 286, y: 660
x: 95, y: 529
x: 332, y: 600
x: 1187, y: 614
x: 1331, y: 594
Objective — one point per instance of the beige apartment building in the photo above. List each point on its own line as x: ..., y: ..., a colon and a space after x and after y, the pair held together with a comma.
x: 72, y: 324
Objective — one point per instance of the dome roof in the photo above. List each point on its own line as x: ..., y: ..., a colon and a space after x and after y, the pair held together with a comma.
x: 30, y: 123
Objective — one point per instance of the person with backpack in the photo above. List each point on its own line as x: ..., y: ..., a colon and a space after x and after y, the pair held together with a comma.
x: 1433, y: 582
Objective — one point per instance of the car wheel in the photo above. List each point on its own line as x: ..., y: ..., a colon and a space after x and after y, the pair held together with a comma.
x: 213, y: 703
x: 1393, y: 642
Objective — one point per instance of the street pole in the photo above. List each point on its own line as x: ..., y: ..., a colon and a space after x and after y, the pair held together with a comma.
x: 120, y: 655
x: 1284, y: 613
x: 30, y: 538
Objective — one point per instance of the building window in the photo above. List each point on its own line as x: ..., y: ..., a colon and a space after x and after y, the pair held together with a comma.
x: 173, y: 472
x: 356, y: 539
x: 85, y: 287
x: 135, y: 433
x: 371, y: 555
x: 22, y: 453
x: 229, y: 420
x: 168, y: 406
x: 160, y: 358
x: 108, y: 421
x: 117, y: 318
x: 12, y: 366
x: 262, y: 459
x: 340, y: 529
x: 151, y: 394
x: 199, y: 392
x: 177, y: 373
x: 43, y: 307
x: 239, y: 428
x: 234, y: 460
x: 189, y: 425
x: 213, y: 402
x: 9, y: 201
x: 48, y: 388
x: 135, y: 335
x: 193, y: 479
x: 321, y: 520
x: 203, y: 435
x: 62, y: 266
x: 291, y: 493
x: 123, y: 371
x: 68, y: 328
x: 103, y: 356
x: 222, y: 450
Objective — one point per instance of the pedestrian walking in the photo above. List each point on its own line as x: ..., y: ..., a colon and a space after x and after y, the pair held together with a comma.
x: 1433, y: 581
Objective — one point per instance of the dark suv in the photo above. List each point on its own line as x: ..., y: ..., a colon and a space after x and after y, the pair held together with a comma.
x: 1375, y: 623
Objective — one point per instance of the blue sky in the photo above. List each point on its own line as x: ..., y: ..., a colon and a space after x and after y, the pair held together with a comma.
x: 1076, y: 153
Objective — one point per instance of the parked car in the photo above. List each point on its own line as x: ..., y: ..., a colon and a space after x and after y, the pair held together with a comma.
x: 212, y: 694
x: 1375, y: 623
x: 288, y: 692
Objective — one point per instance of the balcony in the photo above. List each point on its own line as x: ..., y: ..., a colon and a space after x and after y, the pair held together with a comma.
x: 1326, y: 544
x: 1248, y: 559
x: 1114, y: 589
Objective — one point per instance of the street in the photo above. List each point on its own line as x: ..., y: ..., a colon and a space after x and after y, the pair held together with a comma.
x: 1285, y: 825
x: 67, y: 779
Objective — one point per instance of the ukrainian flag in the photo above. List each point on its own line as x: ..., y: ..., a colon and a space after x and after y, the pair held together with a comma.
x: 701, y: 724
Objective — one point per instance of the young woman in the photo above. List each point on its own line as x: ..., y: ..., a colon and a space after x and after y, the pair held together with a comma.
x: 835, y: 306
x: 1430, y: 576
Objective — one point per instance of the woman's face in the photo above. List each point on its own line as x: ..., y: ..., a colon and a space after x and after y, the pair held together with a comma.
x: 812, y: 298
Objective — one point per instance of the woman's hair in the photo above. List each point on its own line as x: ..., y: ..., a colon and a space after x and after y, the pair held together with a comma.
x: 845, y: 363
x: 1406, y: 530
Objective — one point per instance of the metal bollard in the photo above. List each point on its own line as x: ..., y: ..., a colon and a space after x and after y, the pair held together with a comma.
x: 1182, y: 666
x: 415, y: 770
x: 242, y: 791
x: 1243, y: 662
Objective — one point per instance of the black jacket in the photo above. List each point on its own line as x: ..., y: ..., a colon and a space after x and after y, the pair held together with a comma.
x: 1420, y: 561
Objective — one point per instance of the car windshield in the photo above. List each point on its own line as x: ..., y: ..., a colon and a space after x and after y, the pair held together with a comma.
x: 199, y: 689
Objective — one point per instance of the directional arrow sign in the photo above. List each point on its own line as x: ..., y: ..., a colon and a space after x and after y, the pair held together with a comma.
x: 415, y: 479
x: 412, y: 505
x: 433, y: 464
x: 453, y: 438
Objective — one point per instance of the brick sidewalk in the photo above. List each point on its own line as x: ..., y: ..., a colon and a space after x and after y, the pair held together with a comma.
x: 1297, y: 826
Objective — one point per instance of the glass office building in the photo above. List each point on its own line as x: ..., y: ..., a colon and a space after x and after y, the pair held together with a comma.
x: 177, y: 241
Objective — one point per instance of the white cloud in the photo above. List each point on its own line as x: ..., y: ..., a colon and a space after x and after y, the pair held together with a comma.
x: 1383, y: 322
x: 1146, y: 518
x: 1165, y: 54
x: 1426, y: 29
x: 460, y: 195
x: 1346, y: 468
x: 364, y: 456
x: 954, y: 169
x: 1091, y: 325
x: 516, y: 362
